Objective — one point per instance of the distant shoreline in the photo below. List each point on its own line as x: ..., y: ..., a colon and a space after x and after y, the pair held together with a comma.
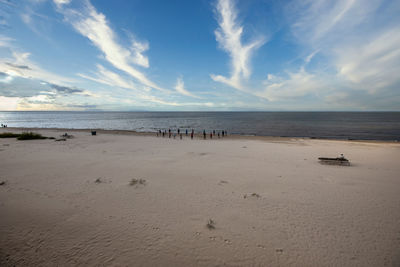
x: 199, y: 135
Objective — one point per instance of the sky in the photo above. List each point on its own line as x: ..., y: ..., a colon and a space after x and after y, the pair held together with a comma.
x: 200, y: 55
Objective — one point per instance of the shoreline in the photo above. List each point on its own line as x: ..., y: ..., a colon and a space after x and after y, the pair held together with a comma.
x: 198, y: 135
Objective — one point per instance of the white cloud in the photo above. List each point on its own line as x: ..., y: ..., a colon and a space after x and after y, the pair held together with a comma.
x: 26, y: 18
x: 59, y: 3
x: 229, y: 37
x: 373, y: 65
x: 180, y: 88
x: 20, y: 65
x: 358, y: 51
x: 94, y: 25
x: 113, y: 79
x: 5, y: 41
x: 316, y: 22
x: 296, y: 85
x: 137, y: 50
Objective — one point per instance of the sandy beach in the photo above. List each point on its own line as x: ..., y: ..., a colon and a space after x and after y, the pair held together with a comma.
x: 270, y: 202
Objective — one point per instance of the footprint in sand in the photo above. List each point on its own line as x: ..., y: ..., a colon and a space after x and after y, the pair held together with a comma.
x: 227, y: 241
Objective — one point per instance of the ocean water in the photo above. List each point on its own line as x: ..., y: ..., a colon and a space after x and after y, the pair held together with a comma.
x: 332, y: 125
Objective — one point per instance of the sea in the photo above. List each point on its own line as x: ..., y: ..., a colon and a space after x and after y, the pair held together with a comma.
x: 321, y: 125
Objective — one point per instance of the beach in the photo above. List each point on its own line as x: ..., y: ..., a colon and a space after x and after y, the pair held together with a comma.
x: 134, y: 199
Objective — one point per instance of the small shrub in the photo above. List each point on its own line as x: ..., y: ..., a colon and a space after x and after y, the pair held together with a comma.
x: 30, y: 136
x: 9, y: 135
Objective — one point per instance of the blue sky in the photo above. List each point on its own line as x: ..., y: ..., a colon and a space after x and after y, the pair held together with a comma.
x: 200, y: 55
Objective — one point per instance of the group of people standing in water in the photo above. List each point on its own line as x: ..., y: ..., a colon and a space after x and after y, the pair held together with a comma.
x: 178, y: 133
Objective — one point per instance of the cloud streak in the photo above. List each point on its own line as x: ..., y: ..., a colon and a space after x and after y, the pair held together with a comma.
x: 180, y: 88
x: 229, y: 38
x: 94, y: 26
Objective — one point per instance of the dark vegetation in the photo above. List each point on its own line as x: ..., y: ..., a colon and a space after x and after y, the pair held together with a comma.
x: 9, y: 135
x: 24, y: 136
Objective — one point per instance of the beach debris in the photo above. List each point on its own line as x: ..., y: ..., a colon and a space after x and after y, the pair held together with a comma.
x: 2, y: 182
x: 279, y: 250
x: 98, y: 180
x: 341, y: 160
x: 210, y: 224
x: 66, y: 135
x: 222, y: 182
x: 60, y: 139
x: 135, y: 181
x: 93, y: 132
x: 252, y: 195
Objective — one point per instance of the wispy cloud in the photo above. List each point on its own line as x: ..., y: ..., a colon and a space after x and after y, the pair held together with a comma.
x: 59, y: 3
x: 357, y: 48
x: 180, y: 88
x: 108, y: 77
x: 229, y: 38
x: 373, y: 65
x: 94, y: 25
x: 21, y: 66
x: 296, y: 85
x: 5, y: 41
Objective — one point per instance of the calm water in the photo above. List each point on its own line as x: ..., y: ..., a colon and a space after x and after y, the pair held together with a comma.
x: 335, y: 125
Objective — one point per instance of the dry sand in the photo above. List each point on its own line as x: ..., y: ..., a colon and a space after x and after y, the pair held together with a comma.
x: 271, y: 202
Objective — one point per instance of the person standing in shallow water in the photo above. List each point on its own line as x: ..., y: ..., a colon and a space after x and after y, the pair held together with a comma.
x: 186, y: 132
x: 204, y: 134
x: 191, y: 134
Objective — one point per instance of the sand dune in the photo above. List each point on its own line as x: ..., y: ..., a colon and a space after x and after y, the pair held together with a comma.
x: 71, y: 203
